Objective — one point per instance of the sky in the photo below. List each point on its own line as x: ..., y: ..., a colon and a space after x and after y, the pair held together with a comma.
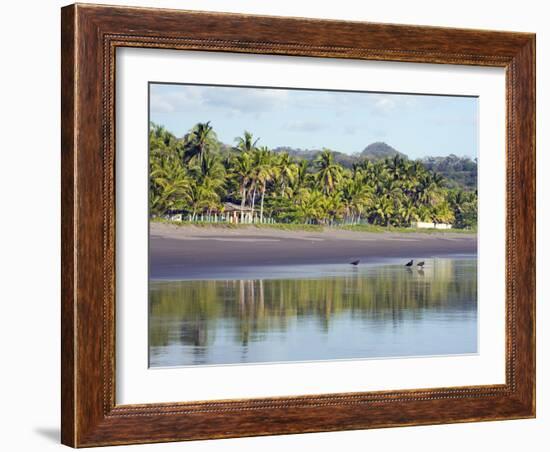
x: 417, y: 125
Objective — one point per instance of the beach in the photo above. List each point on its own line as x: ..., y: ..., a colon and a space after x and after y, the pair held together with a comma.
x: 185, y: 252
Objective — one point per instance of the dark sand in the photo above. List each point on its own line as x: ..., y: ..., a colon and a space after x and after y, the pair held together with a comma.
x: 187, y: 252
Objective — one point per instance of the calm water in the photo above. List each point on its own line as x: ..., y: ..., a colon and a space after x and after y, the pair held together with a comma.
x: 306, y: 313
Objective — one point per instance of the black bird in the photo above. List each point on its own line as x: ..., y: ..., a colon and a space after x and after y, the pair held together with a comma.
x: 420, y: 265
x: 409, y: 264
x: 355, y: 262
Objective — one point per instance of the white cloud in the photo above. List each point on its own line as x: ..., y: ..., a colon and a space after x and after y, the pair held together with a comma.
x: 173, y: 98
x: 242, y: 100
x: 159, y: 104
x: 245, y: 100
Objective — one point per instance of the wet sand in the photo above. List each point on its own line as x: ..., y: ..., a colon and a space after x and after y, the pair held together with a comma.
x: 183, y: 252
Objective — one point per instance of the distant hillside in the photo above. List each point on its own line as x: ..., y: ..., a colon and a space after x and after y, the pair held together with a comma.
x: 374, y: 151
x: 380, y: 151
x: 345, y: 160
x: 459, y: 171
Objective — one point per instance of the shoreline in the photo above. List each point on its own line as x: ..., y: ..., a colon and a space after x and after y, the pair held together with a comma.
x: 302, y: 271
x: 295, y: 227
x: 190, y: 252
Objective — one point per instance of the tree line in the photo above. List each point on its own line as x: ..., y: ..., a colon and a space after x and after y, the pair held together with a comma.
x: 198, y: 174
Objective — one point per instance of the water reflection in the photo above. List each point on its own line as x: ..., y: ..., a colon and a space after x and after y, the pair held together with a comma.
x: 364, y: 312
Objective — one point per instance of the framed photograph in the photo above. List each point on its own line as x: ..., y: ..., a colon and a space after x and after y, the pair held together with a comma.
x: 281, y: 225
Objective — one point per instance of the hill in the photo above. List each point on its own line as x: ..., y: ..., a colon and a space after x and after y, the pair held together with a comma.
x: 380, y: 151
x: 461, y: 172
x: 345, y: 160
x: 374, y: 151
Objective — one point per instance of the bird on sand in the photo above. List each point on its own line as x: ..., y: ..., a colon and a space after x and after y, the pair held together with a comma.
x: 420, y: 265
x: 409, y: 264
x: 355, y: 262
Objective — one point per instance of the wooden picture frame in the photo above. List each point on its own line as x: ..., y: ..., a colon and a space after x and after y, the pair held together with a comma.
x: 90, y: 36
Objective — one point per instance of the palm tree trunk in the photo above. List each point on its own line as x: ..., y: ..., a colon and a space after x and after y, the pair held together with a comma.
x: 262, y: 205
x: 253, y: 203
x: 243, y: 201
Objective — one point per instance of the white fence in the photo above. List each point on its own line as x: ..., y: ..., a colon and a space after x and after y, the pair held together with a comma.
x: 426, y: 225
x: 234, y: 217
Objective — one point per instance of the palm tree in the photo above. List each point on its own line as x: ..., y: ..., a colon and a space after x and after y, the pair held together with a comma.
x: 203, y: 196
x: 169, y: 185
x: 286, y: 171
x: 383, y: 210
x: 329, y: 172
x: 210, y: 168
x: 246, y: 143
x: 427, y: 190
x: 301, y: 175
x: 356, y: 196
x: 309, y: 205
x: 333, y: 207
x: 198, y: 141
x: 407, y: 212
x: 163, y: 143
x: 396, y: 167
x: 263, y: 173
x: 242, y: 171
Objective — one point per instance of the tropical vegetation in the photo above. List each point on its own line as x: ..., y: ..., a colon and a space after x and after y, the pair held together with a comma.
x: 199, y: 176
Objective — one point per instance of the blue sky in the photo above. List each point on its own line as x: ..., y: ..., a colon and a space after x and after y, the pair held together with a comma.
x: 417, y: 125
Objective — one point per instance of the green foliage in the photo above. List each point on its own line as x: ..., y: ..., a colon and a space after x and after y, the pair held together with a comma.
x: 197, y: 176
x: 198, y: 142
x: 459, y: 172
